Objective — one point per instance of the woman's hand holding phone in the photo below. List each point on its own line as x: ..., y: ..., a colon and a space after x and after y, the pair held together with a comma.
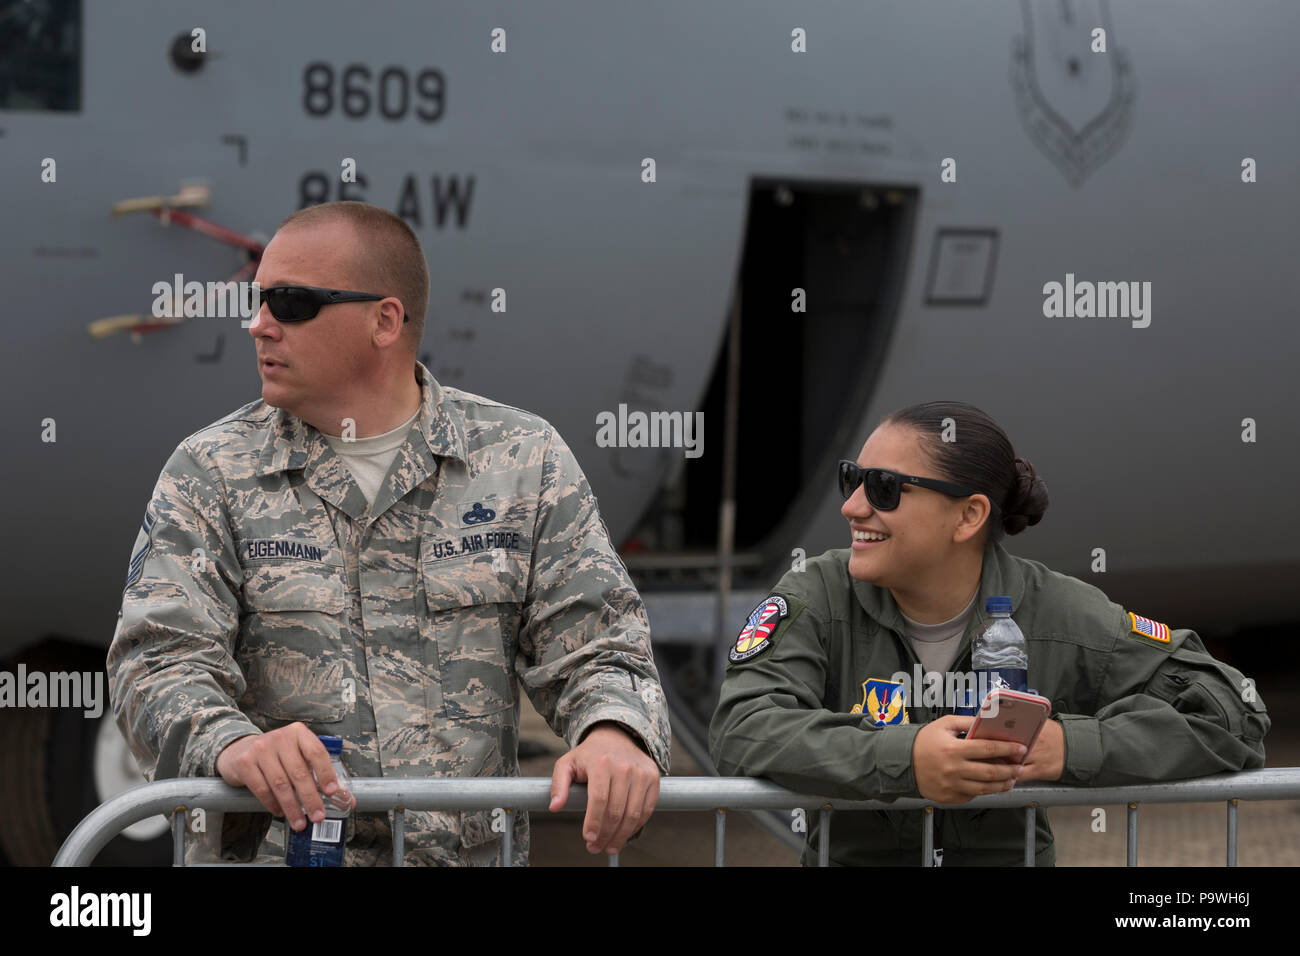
x: 1013, y: 715
x: 949, y: 769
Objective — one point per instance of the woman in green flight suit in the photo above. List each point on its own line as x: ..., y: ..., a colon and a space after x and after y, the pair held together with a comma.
x: 810, y: 699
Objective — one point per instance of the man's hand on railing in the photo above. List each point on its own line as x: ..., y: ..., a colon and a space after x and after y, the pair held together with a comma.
x: 622, y: 786
x: 277, y: 767
x: 949, y: 769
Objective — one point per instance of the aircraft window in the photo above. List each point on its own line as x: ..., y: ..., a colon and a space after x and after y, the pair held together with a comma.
x: 40, y: 55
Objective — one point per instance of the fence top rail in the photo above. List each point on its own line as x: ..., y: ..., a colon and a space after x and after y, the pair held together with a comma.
x: 675, y: 793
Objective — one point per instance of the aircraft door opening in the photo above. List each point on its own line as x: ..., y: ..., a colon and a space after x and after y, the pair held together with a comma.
x: 820, y: 282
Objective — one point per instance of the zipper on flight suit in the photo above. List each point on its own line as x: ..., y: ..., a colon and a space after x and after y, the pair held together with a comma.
x: 937, y: 857
x: 943, y: 711
x: 937, y: 853
x: 933, y: 714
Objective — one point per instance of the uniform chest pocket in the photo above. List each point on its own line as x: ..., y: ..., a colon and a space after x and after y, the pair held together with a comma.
x: 291, y: 641
x: 471, y: 629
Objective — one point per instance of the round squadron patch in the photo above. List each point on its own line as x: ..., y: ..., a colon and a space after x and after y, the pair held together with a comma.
x: 757, y: 632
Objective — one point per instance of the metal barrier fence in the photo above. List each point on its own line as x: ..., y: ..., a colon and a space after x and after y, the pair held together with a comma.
x: 719, y: 794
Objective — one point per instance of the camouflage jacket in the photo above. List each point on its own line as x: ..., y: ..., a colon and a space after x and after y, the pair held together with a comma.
x: 1135, y: 704
x: 264, y: 590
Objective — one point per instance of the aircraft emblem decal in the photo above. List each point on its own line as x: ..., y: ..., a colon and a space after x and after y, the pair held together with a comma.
x: 1076, y: 152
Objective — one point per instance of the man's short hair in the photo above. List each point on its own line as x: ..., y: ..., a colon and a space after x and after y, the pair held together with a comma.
x: 392, y: 261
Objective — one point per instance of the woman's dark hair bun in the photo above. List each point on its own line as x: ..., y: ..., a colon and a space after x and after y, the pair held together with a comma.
x: 1027, y: 501
x: 962, y: 444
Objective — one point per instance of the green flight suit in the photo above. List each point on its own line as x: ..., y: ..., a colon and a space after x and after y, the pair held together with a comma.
x: 1133, y: 709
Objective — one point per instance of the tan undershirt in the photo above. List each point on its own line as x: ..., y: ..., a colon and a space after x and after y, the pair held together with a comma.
x: 936, y: 644
x: 370, y: 458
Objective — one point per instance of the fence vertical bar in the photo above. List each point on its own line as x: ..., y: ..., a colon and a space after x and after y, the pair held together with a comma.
x: 1132, y: 835
x: 178, y: 836
x: 824, y: 838
x: 1232, y: 832
x: 720, y: 837
x: 399, y: 835
x: 1031, y: 817
x: 927, y: 838
x: 509, y: 837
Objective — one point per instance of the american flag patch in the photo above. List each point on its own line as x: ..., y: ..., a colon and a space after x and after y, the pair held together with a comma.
x: 1149, y: 628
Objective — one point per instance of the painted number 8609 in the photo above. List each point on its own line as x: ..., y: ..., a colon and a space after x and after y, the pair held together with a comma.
x: 358, y: 91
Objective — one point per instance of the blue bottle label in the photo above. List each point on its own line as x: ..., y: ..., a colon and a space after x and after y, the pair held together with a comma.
x: 319, y: 844
x: 986, y: 680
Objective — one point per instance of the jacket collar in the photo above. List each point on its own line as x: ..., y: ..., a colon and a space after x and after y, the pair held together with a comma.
x: 291, y: 444
x: 1001, y: 574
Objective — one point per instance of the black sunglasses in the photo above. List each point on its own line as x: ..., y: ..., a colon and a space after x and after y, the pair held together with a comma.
x: 884, y: 487
x: 298, y: 303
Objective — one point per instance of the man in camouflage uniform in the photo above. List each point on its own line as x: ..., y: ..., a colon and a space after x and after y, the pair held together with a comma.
x: 289, y: 581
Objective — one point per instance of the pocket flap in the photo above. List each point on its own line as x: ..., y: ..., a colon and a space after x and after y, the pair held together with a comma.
x: 294, y: 585
x: 492, y: 577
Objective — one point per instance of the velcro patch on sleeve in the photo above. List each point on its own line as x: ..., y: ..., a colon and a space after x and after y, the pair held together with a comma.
x: 765, y: 624
x: 1146, y: 627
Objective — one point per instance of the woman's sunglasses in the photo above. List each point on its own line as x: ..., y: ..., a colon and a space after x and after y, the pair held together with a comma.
x: 298, y: 303
x: 884, y: 487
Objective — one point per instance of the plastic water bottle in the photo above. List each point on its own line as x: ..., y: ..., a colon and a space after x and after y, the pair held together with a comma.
x: 998, y: 657
x: 321, y: 844
x: 1000, y: 653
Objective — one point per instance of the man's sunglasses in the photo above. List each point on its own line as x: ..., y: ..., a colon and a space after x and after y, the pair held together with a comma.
x: 298, y: 303
x: 884, y: 487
